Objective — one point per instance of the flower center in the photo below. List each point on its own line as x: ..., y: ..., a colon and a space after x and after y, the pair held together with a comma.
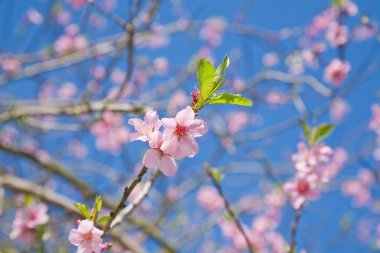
x: 180, y: 130
x: 302, y: 186
x: 87, y: 237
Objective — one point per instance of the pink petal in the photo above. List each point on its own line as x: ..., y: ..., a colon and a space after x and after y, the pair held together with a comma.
x: 137, y: 136
x: 151, y: 158
x: 169, y: 124
x: 198, y: 128
x: 185, y: 117
x: 137, y: 123
x: 170, y: 145
x: 167, y: 165
x: 85, y: 226
x: 151, y: 120
x: 188, y: 146
x: 155, y: 139
x: 75, y: 237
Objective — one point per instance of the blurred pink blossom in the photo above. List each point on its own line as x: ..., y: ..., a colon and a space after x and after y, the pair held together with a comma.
x: 110, y: 133
x: 339, y: 110
x: 336, y: 72
x: 359, y: 188
x: 28, y: 219
x: 276, y: 98
x: 67, y: 91
x: 237, y: 121
x: 213, y: 30
x: 209, y: 199
x: 270, y: 59
x: 160, y: 65
x: 337, y: 35
x: 34, y: 16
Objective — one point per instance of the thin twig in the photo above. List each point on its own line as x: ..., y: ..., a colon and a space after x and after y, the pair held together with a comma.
x: 296, y: 220
x: 127, y: 191
x: 228, y: 207
x: 52, y: 197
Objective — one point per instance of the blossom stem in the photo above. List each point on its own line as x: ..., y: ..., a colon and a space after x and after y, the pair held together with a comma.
x: 230, y: 212
x: 296, y: 220
x: 127, y: 191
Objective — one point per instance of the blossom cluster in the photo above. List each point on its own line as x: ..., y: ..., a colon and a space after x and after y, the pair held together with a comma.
x: 174, y: 143
x: 88, y: 238
x: 375, y: 126
x: 314, y: 166
x: 27, y: 220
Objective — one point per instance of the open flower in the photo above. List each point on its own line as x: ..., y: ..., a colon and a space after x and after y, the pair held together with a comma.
x: 160, y: 154
x: 336, y: 72
x: 87, y: 237
x: 182, y: 130
x: 150, y: 124
x: 302, y: 189
x: 28, y: 219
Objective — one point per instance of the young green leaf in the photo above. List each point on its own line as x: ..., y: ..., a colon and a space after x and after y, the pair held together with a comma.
x: 98, y: 203
x: 233, y: 99
x: 220, y: 73
x: 83, y: 210
x: 321, y: 132
x: 103, y: 219
x: 306, y: 129
x: 205, y: 74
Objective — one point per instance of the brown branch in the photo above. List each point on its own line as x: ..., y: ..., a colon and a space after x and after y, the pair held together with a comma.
x: 111, y: 44
x: 136, y: 201
x: 69, y: 109
x: 228, y: 207
x: 54, y: 167
x: 47, y: 195
x: 121, y: 205
x: 296, y: 220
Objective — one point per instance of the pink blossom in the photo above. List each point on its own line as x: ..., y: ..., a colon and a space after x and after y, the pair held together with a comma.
x: 87, y: 237
x: 363, y: 32
x: 110, y: 132
x: 337, y: 34
x: 212, y: 31
x: 28, y: 219
x: 237, y: 121
x: 160, y: 64
x: 238, y: 84
x: 67, y: 91
x: 270, y: 59
x: 77, y: 149
x: 295, y: 64
x: 350, y: 8
x: 308, y: 158
x: 339, y: 110
x: 150, y: 124
x: 276, y: 98
x: 336, y: 72
x: 310, y: 55
x: 34, y: 16
x: 77, y: 4
x: 179, y: 98
x: 374, y: 124
x: 359, y: 189
x: 183, y: 129
x: 10, y: 64
x: 209, y: 199
x: 302, y: 189
x: 160, y: 154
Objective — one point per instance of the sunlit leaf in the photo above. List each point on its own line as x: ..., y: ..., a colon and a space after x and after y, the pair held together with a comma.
x: 83, y: 210
x: 233, y: 99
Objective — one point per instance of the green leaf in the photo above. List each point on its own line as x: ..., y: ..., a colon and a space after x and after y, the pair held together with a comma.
x: 227, y: 98
x: 205, y: 74
x: 321, y: 132
x: 103, y: 219
x: 306, y: 129
x: 218, y: 79
x: 83, y: 210
x: 98, y: 203
x: 216, y: 175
